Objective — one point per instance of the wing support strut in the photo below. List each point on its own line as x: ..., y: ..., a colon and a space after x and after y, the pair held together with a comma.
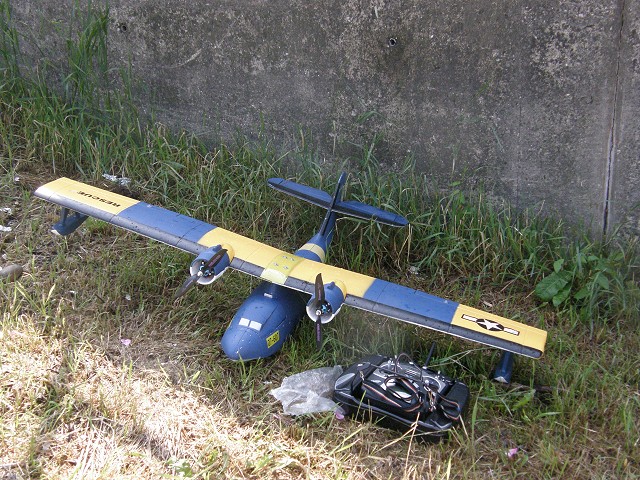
x: 504, y: 368
x: 69, y: 222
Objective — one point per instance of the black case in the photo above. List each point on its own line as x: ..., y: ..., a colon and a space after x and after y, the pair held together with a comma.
x: 400, y: 394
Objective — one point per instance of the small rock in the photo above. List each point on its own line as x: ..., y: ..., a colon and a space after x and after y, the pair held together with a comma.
x: 11, y: 273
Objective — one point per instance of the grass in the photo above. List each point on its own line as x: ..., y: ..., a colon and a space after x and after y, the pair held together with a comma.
x: 76, y: 402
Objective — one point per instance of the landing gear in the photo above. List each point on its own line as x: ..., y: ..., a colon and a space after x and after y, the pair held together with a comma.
x: 503, y: 370
x: 69, y: 222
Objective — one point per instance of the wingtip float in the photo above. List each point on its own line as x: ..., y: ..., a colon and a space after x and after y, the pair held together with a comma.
x: 274, y: 308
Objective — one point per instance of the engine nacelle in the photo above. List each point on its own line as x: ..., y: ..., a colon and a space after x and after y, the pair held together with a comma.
x: 334, y: 294
x: 209, y: 274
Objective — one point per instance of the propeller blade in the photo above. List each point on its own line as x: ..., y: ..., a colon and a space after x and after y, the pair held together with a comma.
x: 321, y: 307
x: 319, y: 290
x: 186, y: 286
x: 319, y: 332
x: 213, y: 261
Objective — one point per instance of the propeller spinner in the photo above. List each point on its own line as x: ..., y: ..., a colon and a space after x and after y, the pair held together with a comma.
x: 205, y: 269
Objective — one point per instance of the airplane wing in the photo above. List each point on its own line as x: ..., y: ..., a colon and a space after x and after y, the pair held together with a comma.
x: 277, y: 266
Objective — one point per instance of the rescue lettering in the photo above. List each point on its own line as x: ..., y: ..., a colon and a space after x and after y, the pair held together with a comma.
x: 95, y: 197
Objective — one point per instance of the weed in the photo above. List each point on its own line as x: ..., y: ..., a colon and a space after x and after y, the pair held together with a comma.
x: 593, y: 280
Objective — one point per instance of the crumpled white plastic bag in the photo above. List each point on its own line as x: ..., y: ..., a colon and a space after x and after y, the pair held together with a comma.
x: 308, y: 392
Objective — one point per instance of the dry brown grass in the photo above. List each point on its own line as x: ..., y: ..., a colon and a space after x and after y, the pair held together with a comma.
x: 74, y: 409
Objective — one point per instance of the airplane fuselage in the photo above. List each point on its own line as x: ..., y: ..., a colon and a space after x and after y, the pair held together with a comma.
x: 263, y: 322
x: 271, y: 312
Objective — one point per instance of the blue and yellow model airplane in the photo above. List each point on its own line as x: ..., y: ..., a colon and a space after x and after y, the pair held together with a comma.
x: 274, y: 308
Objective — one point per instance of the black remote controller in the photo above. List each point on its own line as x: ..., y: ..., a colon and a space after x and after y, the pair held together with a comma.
x: 401, y: 395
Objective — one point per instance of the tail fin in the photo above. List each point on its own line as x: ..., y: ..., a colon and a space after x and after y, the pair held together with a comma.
x: 335, y: 203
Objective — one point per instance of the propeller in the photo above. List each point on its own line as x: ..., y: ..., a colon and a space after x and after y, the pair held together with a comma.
x: 320, y: 307
x: 206, y: 269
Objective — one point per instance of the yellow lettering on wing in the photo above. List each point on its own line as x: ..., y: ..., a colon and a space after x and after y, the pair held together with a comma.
x: 88, y: 195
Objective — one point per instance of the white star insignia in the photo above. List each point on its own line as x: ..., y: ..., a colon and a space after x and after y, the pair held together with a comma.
x: 489, y: 325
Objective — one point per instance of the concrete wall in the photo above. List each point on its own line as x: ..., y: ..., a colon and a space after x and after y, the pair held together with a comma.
x: 624, y: 197
x: 539, y: 99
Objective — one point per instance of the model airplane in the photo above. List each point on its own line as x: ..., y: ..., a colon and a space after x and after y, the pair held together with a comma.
x: 273, y: 309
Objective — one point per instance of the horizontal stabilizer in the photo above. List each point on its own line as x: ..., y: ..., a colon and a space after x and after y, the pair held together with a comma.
x: 349, y: 208
x: 366, y: 212
x: 303, y: 192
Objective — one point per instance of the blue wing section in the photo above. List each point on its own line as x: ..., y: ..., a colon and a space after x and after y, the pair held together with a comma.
x: 393, y: 296
x: 361, y: 210
x: 160, y: 224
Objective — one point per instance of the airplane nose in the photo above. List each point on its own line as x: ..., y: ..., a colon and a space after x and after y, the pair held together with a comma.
x: 242, y: 344
x: 262, y: 323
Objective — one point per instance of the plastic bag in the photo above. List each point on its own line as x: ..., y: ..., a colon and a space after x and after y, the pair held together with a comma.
x: 308, y: 392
